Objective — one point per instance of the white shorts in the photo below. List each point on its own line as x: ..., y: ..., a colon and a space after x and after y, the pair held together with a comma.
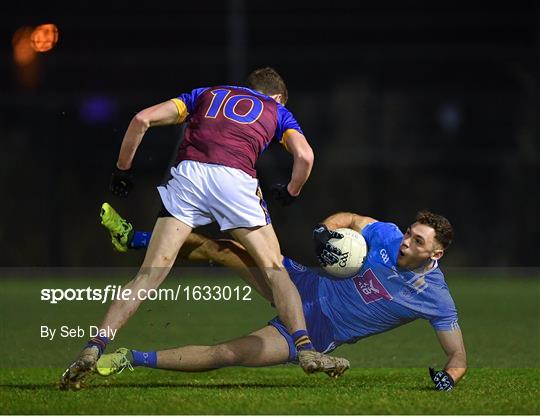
x: 200, y: 193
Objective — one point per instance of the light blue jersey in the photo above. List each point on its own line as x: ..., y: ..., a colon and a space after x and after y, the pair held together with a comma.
x: 380, y: 297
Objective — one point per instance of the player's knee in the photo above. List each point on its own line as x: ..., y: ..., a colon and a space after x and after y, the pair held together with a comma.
x: 275, y: 272
x: 149, y: 277
x: 224, y: 355
x: 271, y: 262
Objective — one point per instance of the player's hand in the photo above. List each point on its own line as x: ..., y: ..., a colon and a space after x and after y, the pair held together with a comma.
x: 442, y: 380
x: 281, y: 194
x: 327, y: 254
x: 121, y: 182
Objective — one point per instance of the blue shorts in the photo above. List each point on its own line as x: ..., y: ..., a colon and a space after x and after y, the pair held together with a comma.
x: 319, y: 326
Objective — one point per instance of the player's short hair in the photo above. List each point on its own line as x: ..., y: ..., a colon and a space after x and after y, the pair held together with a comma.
x: 444, y: 233
x: 269, y: 82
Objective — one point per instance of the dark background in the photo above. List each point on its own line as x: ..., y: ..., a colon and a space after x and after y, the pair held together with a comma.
x: 407, y: 106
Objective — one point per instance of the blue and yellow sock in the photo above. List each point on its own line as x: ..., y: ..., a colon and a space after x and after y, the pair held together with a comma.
x: 302, y: 340
x: 100, y: 342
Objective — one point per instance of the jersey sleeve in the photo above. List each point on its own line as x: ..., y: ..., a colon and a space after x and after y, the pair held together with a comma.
x: 379, y: 233
x: 444, y: 315
x: 186, y: 103
x: 447, y: 319
x: 445, y: 323
x: 285, y: 122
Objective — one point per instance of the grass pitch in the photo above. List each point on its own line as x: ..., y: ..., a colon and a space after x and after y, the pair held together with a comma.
x: 500, y: 319
x: 269, y: 391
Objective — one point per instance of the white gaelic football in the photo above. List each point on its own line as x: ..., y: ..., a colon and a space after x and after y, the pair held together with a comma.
x: 353, y: 249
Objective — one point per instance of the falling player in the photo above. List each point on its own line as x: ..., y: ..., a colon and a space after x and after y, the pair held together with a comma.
x: 400, y: 281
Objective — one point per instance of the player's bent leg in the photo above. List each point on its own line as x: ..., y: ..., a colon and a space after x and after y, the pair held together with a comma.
x: 264, y: 347
x: 263, y: 246
x: 167, y: 238
x: 228, y: 253
x: 197, y: 248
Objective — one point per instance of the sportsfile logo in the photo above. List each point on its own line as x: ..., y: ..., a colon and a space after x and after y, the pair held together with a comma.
x: 118, y: 293
x: 103, y: 295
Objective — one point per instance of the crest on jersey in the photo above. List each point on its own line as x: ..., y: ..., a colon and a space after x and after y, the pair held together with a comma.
x: 370, y: 288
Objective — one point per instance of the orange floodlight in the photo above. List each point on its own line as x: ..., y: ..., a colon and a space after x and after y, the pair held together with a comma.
x: 44, y: 37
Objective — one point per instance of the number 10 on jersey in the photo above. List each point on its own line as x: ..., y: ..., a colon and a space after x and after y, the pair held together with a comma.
x: 221, y: 102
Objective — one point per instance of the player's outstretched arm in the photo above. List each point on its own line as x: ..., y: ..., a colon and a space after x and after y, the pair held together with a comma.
x: 328, y: 254
x: 348, y: 220
x: 456, y: 366
x: 162, y: 114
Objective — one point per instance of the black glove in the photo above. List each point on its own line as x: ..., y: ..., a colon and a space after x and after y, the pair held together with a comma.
x: 121, y: 182
x: 327, y: 254
x: 442, y: 380
x: 281, y: 194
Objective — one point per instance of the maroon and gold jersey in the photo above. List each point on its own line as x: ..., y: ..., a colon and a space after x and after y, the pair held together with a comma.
x: 230, y: 126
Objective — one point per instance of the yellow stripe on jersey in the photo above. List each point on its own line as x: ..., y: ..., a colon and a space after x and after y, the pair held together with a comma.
x: 285, y: 136
x: 182, y: 109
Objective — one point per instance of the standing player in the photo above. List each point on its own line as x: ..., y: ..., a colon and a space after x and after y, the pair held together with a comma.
x: 399, y: 282
x: 215, y: 180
